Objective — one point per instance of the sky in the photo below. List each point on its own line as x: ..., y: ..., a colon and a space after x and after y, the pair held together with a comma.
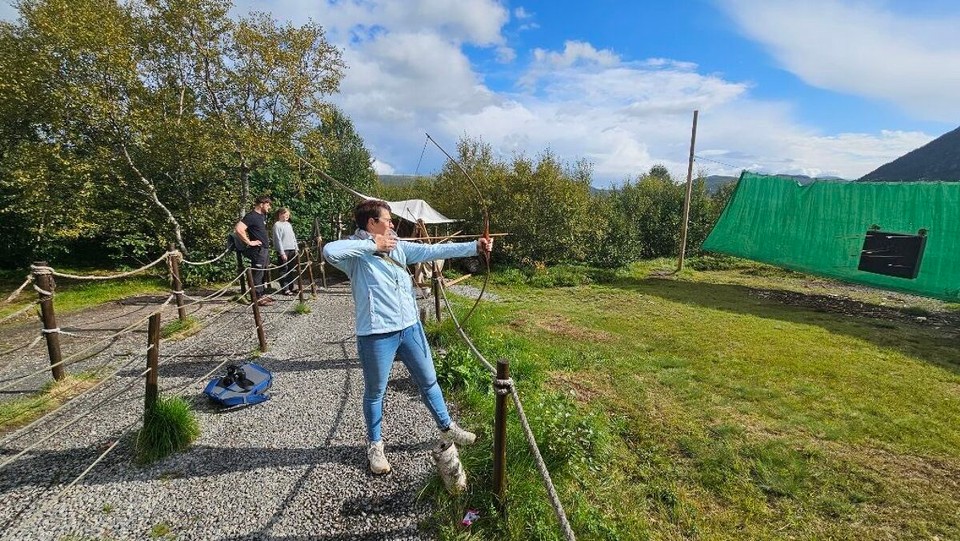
x: 819, y: 87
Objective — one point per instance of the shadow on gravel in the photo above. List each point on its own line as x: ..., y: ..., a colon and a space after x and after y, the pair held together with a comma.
x: 197, y: 368
x: 50, y: 467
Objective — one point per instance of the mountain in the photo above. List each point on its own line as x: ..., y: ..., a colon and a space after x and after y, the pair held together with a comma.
x: 937, y: 160
x: 397, y: 179
x: 714, y: 182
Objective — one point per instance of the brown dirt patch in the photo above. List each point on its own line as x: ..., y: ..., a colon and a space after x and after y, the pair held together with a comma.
x: 560, y: 326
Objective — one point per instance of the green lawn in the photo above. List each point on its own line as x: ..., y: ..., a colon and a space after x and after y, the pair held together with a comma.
x: 73, y: 295
x: 706, y: 406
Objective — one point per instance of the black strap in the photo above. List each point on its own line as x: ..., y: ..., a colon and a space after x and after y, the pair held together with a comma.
x: 236, y: 375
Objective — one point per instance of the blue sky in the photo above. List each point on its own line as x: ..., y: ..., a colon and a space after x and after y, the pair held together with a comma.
x: 819, y: 87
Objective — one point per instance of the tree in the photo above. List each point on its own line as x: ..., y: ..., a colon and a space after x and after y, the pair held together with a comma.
x: 155, y: 112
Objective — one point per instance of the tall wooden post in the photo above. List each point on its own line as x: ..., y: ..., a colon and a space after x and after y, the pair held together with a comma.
x: 153, y: 361
x: 313, y: 283
x: 174, y: 260
x: 323, y: 268
x: 51, y: 332
x: 257, y: 319
x: 299, y: 276
x: 500, y: 434
x: 686, y: 200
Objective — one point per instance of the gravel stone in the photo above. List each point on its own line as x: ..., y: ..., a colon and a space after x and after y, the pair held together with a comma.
x: 293, y: 467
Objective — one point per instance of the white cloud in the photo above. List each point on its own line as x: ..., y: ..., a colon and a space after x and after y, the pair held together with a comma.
x: 412, y: 75
x: 383, y: 168
x: 862, y: 48
x: 520, y: 13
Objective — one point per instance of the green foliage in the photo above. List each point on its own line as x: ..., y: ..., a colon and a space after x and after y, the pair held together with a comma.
x: 301, y: 308
x: 569, y: 437
x: 168, y: 427
x: 458, y: 370
x: 124, y: 126
x: 553, y: 276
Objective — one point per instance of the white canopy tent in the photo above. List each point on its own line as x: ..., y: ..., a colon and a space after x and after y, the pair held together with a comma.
x: 418, y: 209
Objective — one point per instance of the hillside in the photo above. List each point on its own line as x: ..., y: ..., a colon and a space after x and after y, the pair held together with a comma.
x: 937, y: 160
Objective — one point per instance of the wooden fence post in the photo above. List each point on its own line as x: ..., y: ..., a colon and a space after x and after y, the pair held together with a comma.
x: 153, y: 361
x: 299, y: 276
x: 174, y: 260
x: 435, y: 286
x: 500, y: 434
x: 44, y: 281
x: 257, y: 319
x: 313, y: 283
x: 240, y: 270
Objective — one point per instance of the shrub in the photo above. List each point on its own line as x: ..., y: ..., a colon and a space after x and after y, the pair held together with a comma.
x: 168, y: 427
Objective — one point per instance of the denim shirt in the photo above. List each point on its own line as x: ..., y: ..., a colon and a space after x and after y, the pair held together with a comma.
x: 383, y: 294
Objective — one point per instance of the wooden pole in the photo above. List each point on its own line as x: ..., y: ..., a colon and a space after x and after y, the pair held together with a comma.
x: 686, y: 200
x: 299, y: 276
x: 51, y: 332
x: 313, y: 283
x: 323, y: 267
x: 257, y: 319
x: 153, y: 361
x: 177, y: 283
x: 500, y: 435
x: 240, y: 268
x: 435, y: 286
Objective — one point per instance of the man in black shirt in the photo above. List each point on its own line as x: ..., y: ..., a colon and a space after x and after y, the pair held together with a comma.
x: 252, y: 232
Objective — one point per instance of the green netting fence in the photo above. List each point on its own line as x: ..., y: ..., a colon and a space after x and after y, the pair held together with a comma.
x: 819, y: 228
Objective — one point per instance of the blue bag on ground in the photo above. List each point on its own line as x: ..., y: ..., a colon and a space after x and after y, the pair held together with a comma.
x: 244, y: 384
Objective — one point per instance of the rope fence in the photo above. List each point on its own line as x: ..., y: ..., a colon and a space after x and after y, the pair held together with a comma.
x: 77, y: 411
x: 507, y: 385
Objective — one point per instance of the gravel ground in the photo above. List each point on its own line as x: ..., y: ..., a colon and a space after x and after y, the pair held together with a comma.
x: 291, y: 468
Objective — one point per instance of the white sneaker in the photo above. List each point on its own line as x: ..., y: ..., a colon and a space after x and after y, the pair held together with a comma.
x: 378, y: 461
x: 451, y: 470
x: 455, y: 434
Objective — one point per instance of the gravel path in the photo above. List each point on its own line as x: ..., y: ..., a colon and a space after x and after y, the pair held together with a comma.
x: 291, y: 468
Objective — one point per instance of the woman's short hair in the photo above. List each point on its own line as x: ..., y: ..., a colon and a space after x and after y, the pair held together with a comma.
x: 279, y: 213
x: 368, y: 209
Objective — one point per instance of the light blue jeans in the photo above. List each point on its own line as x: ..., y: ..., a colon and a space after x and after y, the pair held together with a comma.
x: 377, y: 352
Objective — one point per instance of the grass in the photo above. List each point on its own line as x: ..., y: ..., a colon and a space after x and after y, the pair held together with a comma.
x: 169, y: 427
x: 17, y: 412
x: 73, y: 295
x: 178, y: 329
x: 301, y: 308
x: 161, y: 530
x: 702, y: 405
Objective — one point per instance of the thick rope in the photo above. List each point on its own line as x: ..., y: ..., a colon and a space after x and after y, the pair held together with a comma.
x: 542, y: 468
x: 508, y: 386
x: 71, y: 357
x: 73, y: 421
x: 18, y: 312
x: 207, y: 262
x: 43, y: 269
x: 20, y: 289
